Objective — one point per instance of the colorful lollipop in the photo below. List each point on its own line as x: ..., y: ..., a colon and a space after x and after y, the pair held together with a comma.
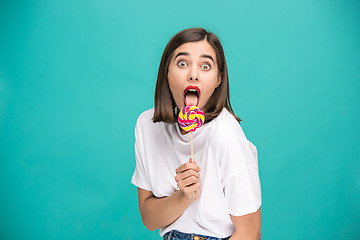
x: 190, y: 118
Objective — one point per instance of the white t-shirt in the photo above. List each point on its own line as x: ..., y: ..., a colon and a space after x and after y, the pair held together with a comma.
x: 229, y: 171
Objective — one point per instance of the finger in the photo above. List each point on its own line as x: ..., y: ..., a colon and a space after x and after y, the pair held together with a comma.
x: 184, y: 167
x: 186, y: 174
x: 187, y: 166
x: 188, y: 182
x: 197, y: 166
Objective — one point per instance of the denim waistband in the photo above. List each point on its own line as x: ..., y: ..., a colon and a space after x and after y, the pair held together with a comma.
x: 176, y: 235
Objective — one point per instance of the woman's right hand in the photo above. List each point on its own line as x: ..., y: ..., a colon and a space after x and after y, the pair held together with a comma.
x: 188, y: 180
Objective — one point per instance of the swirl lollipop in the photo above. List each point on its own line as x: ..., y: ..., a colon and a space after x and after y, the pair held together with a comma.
x: 190, y: 118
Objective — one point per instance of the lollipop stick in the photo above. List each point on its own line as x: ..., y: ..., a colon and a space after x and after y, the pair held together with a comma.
x: 192, y: 148
x: 192, y: 154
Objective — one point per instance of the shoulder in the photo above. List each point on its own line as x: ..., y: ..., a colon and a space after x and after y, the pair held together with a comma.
x: 144, y: 121
x: 228, y: 134
x: 226, y: 126
x: 145, y: 118
x: 146, y: 126
x: 234, y: 149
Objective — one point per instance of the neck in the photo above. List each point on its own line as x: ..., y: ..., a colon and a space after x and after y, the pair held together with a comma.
x: 182, y: 131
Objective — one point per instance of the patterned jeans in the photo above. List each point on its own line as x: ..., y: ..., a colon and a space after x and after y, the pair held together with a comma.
x: 176, y: 235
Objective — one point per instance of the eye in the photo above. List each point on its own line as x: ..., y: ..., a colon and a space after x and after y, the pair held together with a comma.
x: 182, y: 64
x: 205, y: 67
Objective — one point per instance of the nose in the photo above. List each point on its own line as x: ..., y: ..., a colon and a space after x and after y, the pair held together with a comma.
x: 193, y: 78
x: 193, y: 75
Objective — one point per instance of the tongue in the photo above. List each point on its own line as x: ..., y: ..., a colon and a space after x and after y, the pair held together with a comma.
x: 191, y: 99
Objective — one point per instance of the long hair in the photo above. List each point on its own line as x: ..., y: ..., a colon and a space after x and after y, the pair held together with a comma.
x: 164, y: 103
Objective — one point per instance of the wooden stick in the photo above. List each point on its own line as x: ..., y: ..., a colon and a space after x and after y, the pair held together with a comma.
x: 192, y: 153
x: 192, y: 148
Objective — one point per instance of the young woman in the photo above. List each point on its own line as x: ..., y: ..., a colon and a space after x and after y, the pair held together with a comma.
x: 218, y: 195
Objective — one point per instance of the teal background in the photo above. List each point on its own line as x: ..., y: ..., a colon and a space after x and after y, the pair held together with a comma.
x: 74, y: 76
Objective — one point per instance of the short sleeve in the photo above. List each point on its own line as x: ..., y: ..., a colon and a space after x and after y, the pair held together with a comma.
x: 242, y: 192
x: 240, y: 177
x: 140, y: 177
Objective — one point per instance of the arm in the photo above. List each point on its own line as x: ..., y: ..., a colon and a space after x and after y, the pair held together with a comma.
x: 161, y: 212
x: 247, y: 227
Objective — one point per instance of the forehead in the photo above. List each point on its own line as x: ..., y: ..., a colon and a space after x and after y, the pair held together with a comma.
x: 196, y: 49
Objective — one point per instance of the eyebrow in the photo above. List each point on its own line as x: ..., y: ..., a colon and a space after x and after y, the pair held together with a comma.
x: 182, y: 54
x: 187, y: 54
x: 207, y: 56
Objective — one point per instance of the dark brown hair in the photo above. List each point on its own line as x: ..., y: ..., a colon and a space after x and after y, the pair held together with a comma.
x: 164, y: 102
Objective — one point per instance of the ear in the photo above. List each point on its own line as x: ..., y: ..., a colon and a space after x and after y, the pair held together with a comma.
x: 219, y: 80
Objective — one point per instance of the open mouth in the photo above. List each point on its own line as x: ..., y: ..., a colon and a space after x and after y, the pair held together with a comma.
x: 191, y: 95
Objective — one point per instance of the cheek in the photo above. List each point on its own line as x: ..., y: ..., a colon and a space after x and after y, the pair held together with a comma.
x: 211, y: 84
x: 212, y: 80
x: 172, y: 82
x: 173, y: 85
x: 171, y: 75
x: 175, y: 78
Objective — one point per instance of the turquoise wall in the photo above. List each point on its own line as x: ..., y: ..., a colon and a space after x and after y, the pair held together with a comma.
x: 74, y: 76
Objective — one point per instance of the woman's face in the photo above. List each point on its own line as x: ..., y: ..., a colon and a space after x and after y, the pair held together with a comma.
x: 193, y: 74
